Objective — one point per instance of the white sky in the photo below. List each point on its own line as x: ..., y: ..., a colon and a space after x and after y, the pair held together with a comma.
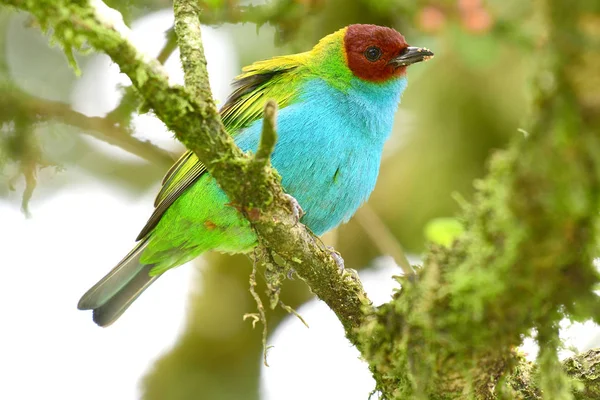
x: 76, y: 235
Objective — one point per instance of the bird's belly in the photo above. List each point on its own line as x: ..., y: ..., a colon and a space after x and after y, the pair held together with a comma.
x: 330, y: 189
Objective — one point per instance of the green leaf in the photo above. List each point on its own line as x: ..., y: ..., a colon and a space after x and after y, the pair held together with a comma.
x: 443, y: 231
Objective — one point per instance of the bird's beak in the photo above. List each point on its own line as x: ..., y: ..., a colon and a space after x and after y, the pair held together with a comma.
x: 411, y: 55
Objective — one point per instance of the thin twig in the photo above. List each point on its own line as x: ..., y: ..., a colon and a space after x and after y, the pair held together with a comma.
x: 169, y: 47
x: 268, y: 137
x: 191, y: 49
x: 273, y: 12
x: 97, y: 127
x: 381, y: 237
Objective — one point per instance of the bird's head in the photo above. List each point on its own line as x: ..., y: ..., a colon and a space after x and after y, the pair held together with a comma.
x: 376, y: 53
x: 369, y: 52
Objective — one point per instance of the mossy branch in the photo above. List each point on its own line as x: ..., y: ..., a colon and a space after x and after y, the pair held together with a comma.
x: 524, y: 262
x: 131, y: 100
x: 261, y: 191
x: 583, y: 368
x: 268, y: 136
x: 191, y: 114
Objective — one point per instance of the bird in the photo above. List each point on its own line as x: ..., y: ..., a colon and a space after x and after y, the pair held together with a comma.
x: 336, y: 103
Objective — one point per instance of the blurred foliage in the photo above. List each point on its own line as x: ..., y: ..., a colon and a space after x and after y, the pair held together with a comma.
x: 443, y: 231
x: 458, y: 108
x: 219, y: 355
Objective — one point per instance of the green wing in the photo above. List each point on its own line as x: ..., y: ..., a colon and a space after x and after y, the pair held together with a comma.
x: 271, y: 79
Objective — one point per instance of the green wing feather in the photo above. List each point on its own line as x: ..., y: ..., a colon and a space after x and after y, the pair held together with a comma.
x: 270, y: 79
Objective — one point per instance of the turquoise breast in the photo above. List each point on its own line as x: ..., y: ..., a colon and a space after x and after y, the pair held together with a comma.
x: 329, y: 147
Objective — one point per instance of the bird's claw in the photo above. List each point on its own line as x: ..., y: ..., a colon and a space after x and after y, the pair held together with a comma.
x: 290, y: 274
x: 337, y: 258
x: 297, y: 210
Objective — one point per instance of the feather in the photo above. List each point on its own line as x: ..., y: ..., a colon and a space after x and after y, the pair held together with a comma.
x: 110, y: 311
x: 114, y: 293
x: 112, y: 282
x: 182, y: 175
x: 260, y: 81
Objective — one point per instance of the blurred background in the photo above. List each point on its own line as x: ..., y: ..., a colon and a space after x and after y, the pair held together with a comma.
x: 79, y: 168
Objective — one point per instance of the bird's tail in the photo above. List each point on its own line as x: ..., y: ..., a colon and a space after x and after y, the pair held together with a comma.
x: 113, y: 294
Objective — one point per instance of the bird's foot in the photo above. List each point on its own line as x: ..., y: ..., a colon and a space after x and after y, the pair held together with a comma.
x: 297, y: 210
x: 290, y: 274
x: 337, y: 257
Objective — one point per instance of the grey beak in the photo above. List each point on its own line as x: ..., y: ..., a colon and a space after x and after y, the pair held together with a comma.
x: 411, y: 55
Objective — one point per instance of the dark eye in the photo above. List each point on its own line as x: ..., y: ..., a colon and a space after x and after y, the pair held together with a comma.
x: 373, y: 53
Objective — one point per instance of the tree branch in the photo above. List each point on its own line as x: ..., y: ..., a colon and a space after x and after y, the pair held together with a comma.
x: 196, y: 123
x: 277, y: 229
x: 271, y: 13
x: 131, y: 99
x: 193, y: 61
x: 382, y: 238
x: 97, y: 127
x: 582, y: 368
x: 585, y: 369
x: 268, y: 136
x: 525, y: 260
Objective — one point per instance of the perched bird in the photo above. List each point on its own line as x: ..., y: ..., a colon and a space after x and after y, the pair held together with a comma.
x: 337, y: 104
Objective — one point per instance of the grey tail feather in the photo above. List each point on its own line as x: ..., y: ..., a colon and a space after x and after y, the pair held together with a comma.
x: 114, y: 293
x: 112, y: 309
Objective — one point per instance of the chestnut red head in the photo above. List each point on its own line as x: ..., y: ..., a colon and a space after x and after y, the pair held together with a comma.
x: 376, y: 53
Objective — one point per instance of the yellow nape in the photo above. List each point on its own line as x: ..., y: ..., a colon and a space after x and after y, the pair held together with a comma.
x: 332, y: 43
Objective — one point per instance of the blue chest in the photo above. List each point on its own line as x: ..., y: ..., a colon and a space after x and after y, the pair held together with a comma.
x: 330, y: 146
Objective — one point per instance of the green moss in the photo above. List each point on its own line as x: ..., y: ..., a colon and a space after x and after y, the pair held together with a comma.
x: 524, y: 261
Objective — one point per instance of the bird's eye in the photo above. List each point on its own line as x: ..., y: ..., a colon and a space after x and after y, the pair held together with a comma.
x: 373, y: 53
